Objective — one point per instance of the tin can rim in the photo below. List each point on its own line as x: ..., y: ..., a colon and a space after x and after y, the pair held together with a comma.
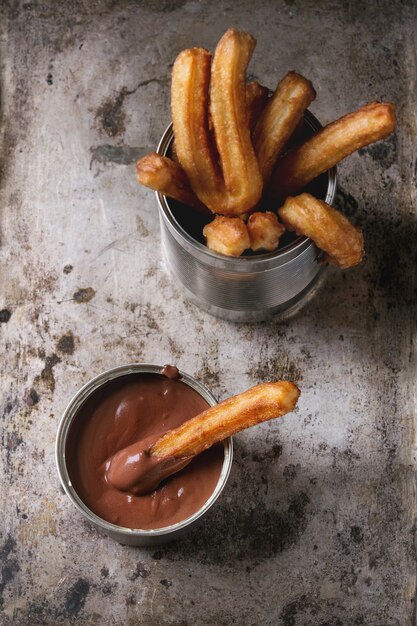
x: 65, y: 424
x: 243, y: 263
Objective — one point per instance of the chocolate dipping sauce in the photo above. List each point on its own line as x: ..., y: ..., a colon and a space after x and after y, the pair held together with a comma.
x: 138, y: 407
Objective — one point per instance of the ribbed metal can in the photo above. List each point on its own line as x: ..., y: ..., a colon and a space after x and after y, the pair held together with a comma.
x: 132, y: 536
x: 247, y: 288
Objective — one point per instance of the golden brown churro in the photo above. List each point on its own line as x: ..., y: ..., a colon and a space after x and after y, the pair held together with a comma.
x: 240, y: 168
x: 279, y: 119
x: 189, y: 103
x: 264, y: 231
x: 162, y: 174
x: 328, y: 228
x: 256, y: 100
x: 227, y: 235
x: 330, y: 145
x: 258, y: 404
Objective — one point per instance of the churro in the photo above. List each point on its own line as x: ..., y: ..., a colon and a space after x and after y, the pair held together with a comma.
x: 330, y: 145
x: 227, y: 235
x: 258, y: 404
x: 280, y: 118
x: 264, y: 231
x: 242, y: 178
x: 328, y: 228
x: 256, y: 100
x: 164, y: 175
x: 189, y: 103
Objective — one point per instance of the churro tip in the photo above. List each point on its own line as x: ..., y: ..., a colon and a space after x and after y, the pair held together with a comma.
x: 235, y: 33
x: 192, y: 53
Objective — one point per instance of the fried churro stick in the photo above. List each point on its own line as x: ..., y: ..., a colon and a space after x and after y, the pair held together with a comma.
x: 264, y: 231
x: 328, y: 228
x: 256, y: 100
x: 279, y: 119
x: 330, y: 145
x: 162, y: 174
x: 258, y: 404
x: 227, y: 235
x: 189, y: 104
x: 240, y: 168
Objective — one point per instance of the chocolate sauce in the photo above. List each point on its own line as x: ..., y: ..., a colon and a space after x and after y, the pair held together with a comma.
x: 131, y: 409
x: 133, y: 469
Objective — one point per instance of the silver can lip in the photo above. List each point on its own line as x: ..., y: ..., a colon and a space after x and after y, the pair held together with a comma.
x: 133, y: 536
x: 243, y: 264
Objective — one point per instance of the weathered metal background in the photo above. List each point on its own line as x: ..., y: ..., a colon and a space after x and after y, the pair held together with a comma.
x: 316, y: 525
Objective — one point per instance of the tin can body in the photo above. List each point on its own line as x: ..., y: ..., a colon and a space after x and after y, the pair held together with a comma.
x: 248, y: 288
x: 131, y: 536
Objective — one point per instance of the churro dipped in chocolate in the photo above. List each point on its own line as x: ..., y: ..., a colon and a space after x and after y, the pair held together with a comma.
x: 142, y: 466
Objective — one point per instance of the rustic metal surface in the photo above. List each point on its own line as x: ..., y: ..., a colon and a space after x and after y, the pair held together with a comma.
x: 316, y: 525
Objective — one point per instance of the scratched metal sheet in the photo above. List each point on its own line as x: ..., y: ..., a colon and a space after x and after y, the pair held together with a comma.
x: 316, y: 525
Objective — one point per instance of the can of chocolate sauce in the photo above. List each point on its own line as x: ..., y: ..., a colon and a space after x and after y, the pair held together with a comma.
x: 75, y: 421
x: 247, y: 288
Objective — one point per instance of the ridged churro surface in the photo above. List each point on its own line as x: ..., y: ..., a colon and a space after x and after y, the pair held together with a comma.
x: 239, y: 165
x: 330, y: 145
x: 189, y: 105
x: 256, y: 100
x: 330, y: 230
x: 279, y: 119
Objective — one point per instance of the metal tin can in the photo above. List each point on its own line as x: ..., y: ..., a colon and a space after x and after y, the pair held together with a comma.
x: 132, y: 536
x: 248, y: 288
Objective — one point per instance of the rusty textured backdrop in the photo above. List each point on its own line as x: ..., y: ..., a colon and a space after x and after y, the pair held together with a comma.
x: 316, y: 524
